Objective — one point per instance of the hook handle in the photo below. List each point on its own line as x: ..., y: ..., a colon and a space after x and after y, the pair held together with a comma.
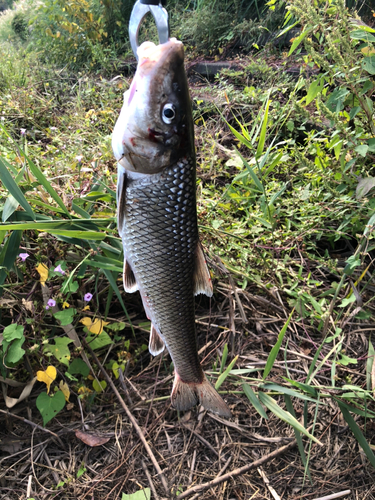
x: 140, y: 10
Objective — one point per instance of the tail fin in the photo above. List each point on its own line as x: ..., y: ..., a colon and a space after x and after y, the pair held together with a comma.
x: 185, y: 395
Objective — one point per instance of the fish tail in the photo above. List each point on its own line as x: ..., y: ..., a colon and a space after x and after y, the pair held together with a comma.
x: 185, y: 395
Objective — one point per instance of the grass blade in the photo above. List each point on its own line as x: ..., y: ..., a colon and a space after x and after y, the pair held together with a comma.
x: 13, y: 188
x: 285, y: 416
x: 289, y: 407
x: 224, y: 375
x: 285, y: 390
x: 369, y: 365
x: 9, y: 254
x: 47, y: 186
x: 275, y: 349
x: 262, y: 137
x: 357, y: 433
x: 254, y: 400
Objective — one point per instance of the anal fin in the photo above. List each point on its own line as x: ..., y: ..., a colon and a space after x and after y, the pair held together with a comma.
x: 130, y: 283
x: 202, y: 278
x: 156, y: 344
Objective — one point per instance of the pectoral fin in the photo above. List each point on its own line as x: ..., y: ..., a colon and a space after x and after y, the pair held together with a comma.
x: 202, y: 278
x: 130, y: 283
x: 156, y: 344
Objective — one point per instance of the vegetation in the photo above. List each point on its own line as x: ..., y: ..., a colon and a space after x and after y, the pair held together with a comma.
x: 286, y: 182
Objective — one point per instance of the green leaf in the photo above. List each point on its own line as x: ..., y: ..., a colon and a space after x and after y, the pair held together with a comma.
x: 368, y: 64
x: 362, y: 150
x: 362, y: 35
x: 60, y: 349
x: 13, y: 188
x: 79, y: 367
x: 349, y: 300
x: 224, y: 375
x: 314, y: 89
x: 10, y: 206
x: 284, y: 390
x: 275, y: 349
x: 66, y: 316
x: 47, y: 186
x: 99, y: 341
x: 369, y: 365
x: 224, y: 358
x: 262, y: 137
x: 254, y: 400
x: 363, y: 187
x: 357, y: 433
x: 298, y: 40
x: 99, y: 387
x: 49, y: 406
x: 289, y: 407
x: 15, y: 351
x: 144, y: 494
x: 285, y: 416
x: 9, y: 254
x: 116, y: 327
x: 12, y: 332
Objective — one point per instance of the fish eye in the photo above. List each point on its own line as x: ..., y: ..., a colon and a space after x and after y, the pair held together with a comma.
x: 169, y: 113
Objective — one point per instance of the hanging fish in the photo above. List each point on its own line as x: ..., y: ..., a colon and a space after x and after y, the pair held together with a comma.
x: 153, y: 142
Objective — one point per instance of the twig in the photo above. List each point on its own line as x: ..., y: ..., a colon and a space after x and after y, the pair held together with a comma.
x: 267, y: 483
x: 237, y: 472
x: 192, y: 467
x: 150, y: 482
x: 34, y: 425
x: 132, y: 419
x: 335, y: 495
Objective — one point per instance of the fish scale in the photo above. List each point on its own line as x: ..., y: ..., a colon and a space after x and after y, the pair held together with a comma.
x: 159, y: 221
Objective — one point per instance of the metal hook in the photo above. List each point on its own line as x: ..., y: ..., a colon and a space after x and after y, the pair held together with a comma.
x: 140, y: 10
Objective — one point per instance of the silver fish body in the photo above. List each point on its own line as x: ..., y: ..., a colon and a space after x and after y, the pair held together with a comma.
x: 157, y: 216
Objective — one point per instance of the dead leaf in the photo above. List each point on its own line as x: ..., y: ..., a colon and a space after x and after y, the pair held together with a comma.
x: 10, y: 402
x: 95, y: 326
x: 47, y: 376
x: 28, y: 305
x: 91, y: 439
x: 65, y: 390
x: 43, y: 271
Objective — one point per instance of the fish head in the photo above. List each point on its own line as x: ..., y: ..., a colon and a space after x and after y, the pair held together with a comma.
x: 155, y: 126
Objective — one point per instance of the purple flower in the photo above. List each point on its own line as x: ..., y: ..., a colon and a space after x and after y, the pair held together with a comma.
x: 50, y: 303
x: 88, y: 297
x: 59, y: 270
x: 23, y: 131
x: 23, y: 256
x: 79, y: 158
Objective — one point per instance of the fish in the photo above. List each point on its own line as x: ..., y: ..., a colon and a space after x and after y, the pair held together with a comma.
x: 153, y: 143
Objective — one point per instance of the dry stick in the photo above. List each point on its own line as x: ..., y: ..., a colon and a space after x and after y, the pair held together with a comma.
x: 132, y: 419
x: 335, y: 495
x: 237, y: 472
x: 149, y: 478
x: 34, y: 425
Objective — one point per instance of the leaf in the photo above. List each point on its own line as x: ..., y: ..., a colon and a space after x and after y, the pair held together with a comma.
x: 224, y: 375
x: 369, y: 365
x: 13, y: 188
x: 94, y: 326
x: 10, y: 206
x: 65, y: 390
x: 368, y: 64
x: 362, y: 35
x: 43, y: 272
x: 49, y: 406
x: 362, y: 149
x: 364, y: 186
x: 115, y: 369
x: 66, y: 316
x: 99, y: 341
x: 262, y: 137
x: 254, y: 400
x: 12, y: 332
x: 285, y: 390
x: 9, y: 254
x: 15, y: 351
x: 348, y: 300
x: 357, y: 433
x: 79, y: 367
x: 99, y: 387
x: 275, y: 349
x: 91, y: 439
x: 144, y: 494
x: 298, y: 40
x: 314, y: 89
x: 285, y: 416
x: 60, y: 349
x: 47, y: 376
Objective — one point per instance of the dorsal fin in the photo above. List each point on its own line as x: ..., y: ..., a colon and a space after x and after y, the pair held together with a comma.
x: 202, y: 278
x: 130, y: 283
x: 156, y: 344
